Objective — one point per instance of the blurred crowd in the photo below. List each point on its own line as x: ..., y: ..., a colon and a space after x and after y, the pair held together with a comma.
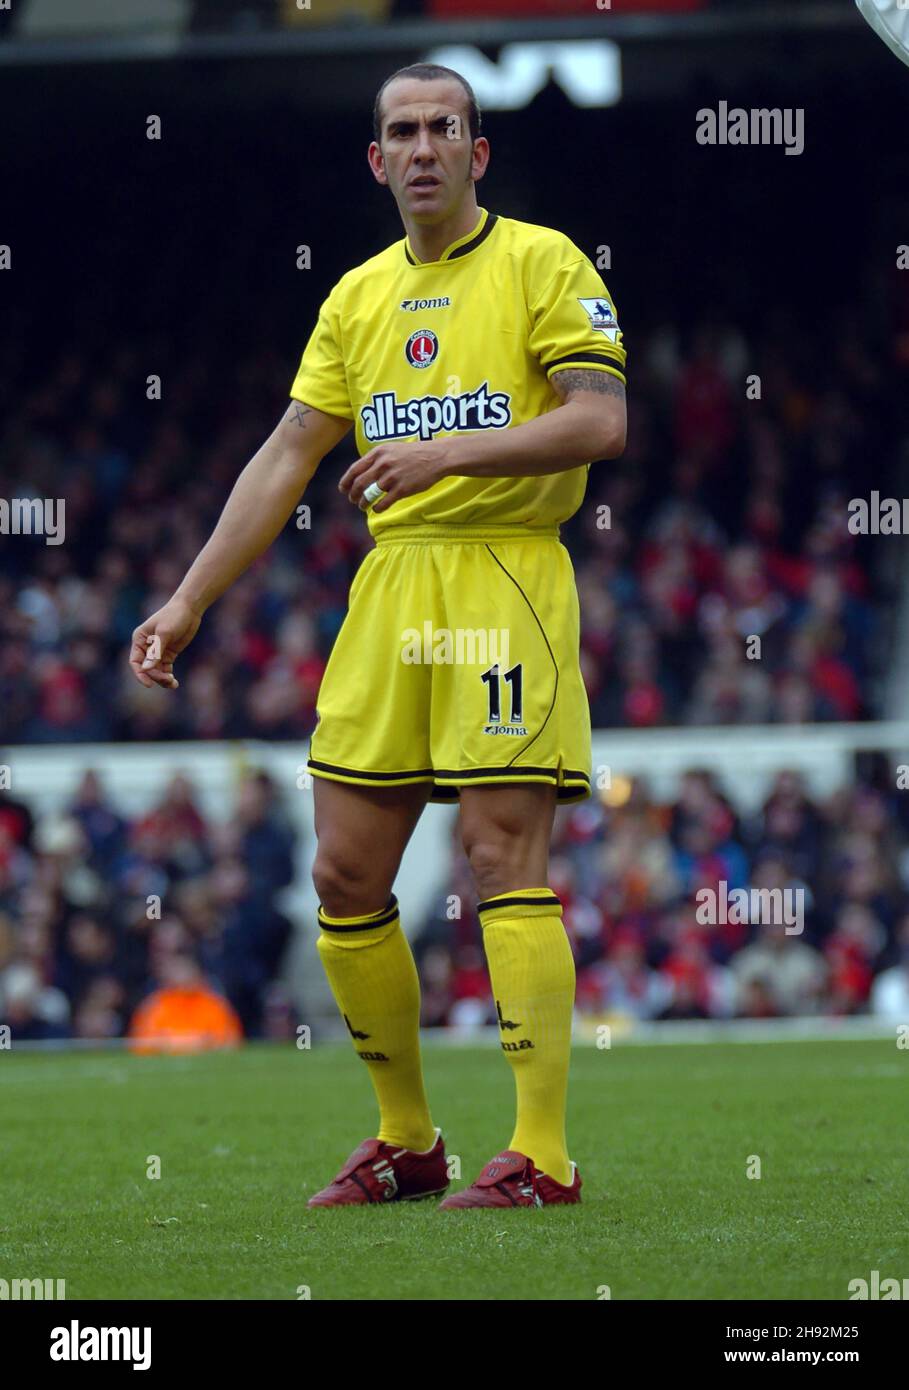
x: 732, y: 591
x: 719, y: 582
x: 170, y: 923
x: 101, y: 914
x: 629, y: 871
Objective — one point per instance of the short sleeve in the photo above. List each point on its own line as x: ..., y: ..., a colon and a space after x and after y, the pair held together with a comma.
x: 321, y: 380
x: 574, y: 322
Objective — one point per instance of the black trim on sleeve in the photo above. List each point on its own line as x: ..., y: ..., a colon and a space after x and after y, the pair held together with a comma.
x: 601, y: 359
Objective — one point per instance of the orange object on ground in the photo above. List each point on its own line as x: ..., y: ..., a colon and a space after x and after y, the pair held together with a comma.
x: 180, y: 1019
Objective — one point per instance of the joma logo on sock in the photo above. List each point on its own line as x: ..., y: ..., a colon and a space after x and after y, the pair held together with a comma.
x: 505, y: 1022
x: 354, y: 1033
x: 373, y: 1056
x: 517, y: 1046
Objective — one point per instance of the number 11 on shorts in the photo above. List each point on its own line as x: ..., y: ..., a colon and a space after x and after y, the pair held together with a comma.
x: 514, y: 678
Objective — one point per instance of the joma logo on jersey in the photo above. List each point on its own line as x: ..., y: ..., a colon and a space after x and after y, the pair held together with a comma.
x: 412, y: 305
x: 426, y: 416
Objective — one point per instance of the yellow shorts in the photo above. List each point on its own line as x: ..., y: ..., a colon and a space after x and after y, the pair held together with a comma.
x: 457, y: 665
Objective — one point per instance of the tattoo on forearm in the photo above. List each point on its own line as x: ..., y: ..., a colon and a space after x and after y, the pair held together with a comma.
x: 299, y: 415
x: 603, y: 383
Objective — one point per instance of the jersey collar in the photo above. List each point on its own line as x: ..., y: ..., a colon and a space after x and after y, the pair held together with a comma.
x: 464, y: 245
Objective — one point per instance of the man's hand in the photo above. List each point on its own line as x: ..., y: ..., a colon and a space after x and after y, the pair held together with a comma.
x: 160, y: 639
x: 400, y: 469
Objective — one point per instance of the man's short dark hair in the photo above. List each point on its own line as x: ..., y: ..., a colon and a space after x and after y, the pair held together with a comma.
x: 428, y: 72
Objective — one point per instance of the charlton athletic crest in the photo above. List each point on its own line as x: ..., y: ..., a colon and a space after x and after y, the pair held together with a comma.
x: 422, y: 348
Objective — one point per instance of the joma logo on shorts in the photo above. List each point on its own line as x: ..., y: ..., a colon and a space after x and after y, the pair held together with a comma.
x: 427, y: 416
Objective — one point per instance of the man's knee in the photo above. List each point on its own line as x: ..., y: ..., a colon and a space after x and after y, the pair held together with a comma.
x: 346, y: 885
x: 506, y: 841
x: 498, y: 859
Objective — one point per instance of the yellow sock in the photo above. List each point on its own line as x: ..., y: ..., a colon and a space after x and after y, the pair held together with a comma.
x: 533, y: 981
x: 373, y: 977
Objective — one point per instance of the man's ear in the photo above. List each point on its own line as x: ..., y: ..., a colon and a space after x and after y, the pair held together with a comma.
x: 377, y: 163
x: 479, y: 158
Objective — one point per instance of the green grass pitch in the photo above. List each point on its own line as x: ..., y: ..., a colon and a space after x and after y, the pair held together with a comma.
x: 662, y: 1134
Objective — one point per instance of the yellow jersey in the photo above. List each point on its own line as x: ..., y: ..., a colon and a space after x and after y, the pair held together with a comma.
x: 419, y: 350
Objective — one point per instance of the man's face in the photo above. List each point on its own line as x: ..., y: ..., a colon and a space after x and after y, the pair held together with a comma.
x: 427, y: 157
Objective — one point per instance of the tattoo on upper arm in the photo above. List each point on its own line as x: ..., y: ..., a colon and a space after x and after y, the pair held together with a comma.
x: 300, y: 412
x: 574, y: 379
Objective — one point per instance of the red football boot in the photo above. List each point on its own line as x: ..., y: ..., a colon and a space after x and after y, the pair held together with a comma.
x: 378, y: 1172
x: 511, y: 1180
